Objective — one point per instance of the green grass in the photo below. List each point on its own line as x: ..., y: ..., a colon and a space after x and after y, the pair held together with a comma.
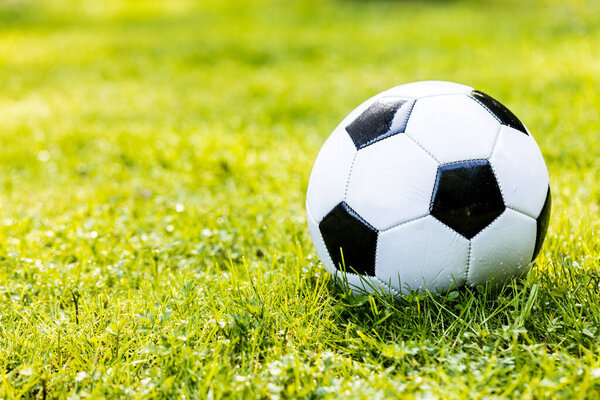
x: 153, y: 167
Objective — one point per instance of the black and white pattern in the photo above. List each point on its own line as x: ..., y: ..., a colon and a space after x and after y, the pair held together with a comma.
x: 428, y: 185
x: 349, y: 237
x: 383, y: 118
x: 466, y: 196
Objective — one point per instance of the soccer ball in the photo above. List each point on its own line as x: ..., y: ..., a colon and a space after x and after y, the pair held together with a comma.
x: 428, y: 186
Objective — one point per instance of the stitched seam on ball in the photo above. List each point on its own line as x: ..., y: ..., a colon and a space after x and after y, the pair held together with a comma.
x: 390, y: 133
x: 376, y: 251
x: 498, y: 183
x: 521, y: 212
x: 422, y: 148
x: 471, y: 241
x: 489, y: 225
x: 495, y: 142
x: 463, y: 161
x: 349, y: 175
x: 357, y: 216
x: 468, y: 264
x: 387, y: 135
x: 486, y: 108
x: 448, y: 228
x: 394, y: 291
x: 460, y: 236
x: 412, y: 106
x: 435, y: 181
x: 402, y: 224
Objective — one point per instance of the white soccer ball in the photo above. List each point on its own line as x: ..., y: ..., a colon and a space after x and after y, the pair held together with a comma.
x: 428, y: 185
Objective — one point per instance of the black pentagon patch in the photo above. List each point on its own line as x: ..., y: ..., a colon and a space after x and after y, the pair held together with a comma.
x: 542, y: 225
x: 466, y: 196
x: 345, y: 232
x: 499, y: 110
x: 375, y: 122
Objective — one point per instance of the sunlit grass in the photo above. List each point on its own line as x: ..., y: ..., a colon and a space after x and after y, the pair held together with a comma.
x: 154, y: 160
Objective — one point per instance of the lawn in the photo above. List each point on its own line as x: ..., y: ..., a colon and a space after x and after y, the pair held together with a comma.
x: 154, y: 158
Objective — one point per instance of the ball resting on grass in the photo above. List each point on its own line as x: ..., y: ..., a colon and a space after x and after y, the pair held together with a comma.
x: 429, y: 185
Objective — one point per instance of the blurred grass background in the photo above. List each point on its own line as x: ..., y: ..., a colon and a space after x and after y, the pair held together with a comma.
x: 154, y: 161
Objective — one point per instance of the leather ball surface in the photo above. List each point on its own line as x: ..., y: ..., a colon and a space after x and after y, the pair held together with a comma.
x: 429, y: 185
